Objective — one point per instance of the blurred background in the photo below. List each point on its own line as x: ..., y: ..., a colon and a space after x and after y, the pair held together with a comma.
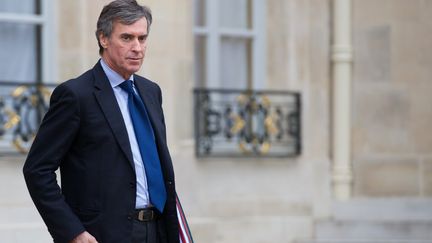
x: 287, y: 120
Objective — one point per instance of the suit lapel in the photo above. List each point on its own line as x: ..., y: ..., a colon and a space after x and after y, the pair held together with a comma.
x: 150, y: 104
x: 108, y: 103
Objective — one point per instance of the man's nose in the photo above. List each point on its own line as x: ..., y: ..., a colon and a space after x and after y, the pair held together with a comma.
x: 137, y: 45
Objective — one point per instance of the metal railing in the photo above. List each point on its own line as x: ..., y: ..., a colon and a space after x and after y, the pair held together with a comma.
x: 234, y: 123
x: 22, y: 106
x: 242, y: 123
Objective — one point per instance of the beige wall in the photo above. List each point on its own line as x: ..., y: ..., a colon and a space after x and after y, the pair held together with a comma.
x: 392, y: 147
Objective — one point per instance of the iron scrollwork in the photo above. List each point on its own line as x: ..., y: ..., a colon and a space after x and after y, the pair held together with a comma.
x: 22, y: 106
x: 247, y: 123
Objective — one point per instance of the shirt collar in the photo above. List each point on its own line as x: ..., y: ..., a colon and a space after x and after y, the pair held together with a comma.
x: 114, y: 78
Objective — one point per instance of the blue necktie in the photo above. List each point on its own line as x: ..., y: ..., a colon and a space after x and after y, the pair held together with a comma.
x: 147, y: 146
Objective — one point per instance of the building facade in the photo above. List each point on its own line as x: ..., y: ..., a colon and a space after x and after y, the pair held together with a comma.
x: 362, y: 69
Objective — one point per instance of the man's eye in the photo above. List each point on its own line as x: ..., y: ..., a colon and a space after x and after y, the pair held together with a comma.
x: 126, y: 38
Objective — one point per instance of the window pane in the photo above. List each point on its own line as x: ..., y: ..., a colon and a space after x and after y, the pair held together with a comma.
x: 18, y: 55
x: 235, y: 63
x: 235, y: 14
x: 200, y: 12
x: 21, y: 6
x: 200, y: 60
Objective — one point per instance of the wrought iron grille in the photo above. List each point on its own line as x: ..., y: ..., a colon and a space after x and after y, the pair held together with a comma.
x: 238, y: 123
x: 22, y: 106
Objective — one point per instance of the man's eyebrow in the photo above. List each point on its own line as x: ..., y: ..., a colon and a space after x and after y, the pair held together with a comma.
x: 129, y: 34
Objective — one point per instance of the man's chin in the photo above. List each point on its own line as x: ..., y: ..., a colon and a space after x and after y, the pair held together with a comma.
x: 134, y: 68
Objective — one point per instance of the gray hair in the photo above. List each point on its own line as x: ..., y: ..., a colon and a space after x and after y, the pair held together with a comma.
x: 125, y: 12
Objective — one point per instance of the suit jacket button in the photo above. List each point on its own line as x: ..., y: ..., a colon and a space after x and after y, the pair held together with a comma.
x: 132, y: 185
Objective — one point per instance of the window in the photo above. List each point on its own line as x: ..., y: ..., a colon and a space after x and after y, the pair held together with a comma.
x: 230, y: 44
x: 26, y: 41
x: 26, y: 56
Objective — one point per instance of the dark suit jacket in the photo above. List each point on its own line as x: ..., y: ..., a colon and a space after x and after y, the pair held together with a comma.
x: 84, y: 135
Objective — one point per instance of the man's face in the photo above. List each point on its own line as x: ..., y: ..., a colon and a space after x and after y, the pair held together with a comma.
x: 124, y: 50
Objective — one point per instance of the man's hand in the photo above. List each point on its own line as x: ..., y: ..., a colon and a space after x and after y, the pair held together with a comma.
x: 84, y: 237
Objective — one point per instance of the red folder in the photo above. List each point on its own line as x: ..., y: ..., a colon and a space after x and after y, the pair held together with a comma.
x: 184, y: 231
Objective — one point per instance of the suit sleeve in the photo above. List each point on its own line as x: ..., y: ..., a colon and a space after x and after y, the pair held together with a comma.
x: 56, y: 134
x: 159, y: 93
x: 171, y: 221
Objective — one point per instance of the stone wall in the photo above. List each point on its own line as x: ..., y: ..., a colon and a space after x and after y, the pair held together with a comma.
x: 392, y: 148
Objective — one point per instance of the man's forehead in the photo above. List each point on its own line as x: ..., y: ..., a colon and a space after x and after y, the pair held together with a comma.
x: 137, y: 26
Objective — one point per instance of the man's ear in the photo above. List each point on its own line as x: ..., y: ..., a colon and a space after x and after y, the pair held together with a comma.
x: 103, y: 40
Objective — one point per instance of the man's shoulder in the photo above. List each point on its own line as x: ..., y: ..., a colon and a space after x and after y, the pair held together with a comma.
x: 79, y: 83
x: 79, y: 87
x: 146, y: 82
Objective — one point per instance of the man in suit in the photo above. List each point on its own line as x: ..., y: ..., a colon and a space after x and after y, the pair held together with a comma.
x: 105, y: 130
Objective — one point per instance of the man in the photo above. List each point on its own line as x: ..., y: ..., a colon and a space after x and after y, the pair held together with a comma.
x: 105, y: 130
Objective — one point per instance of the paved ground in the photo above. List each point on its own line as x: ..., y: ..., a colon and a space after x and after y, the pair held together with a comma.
x: 19, y: 220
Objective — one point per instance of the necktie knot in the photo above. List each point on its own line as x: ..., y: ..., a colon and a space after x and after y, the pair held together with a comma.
x: 127, y: 86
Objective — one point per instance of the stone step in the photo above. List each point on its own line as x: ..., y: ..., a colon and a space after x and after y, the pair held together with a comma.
x: 377, y: 220
x: 374, y: 230
x: 362, y: 241
x: 397, y: 209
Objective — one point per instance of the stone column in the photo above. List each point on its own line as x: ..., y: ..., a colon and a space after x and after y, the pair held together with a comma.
x: 341, y: 123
